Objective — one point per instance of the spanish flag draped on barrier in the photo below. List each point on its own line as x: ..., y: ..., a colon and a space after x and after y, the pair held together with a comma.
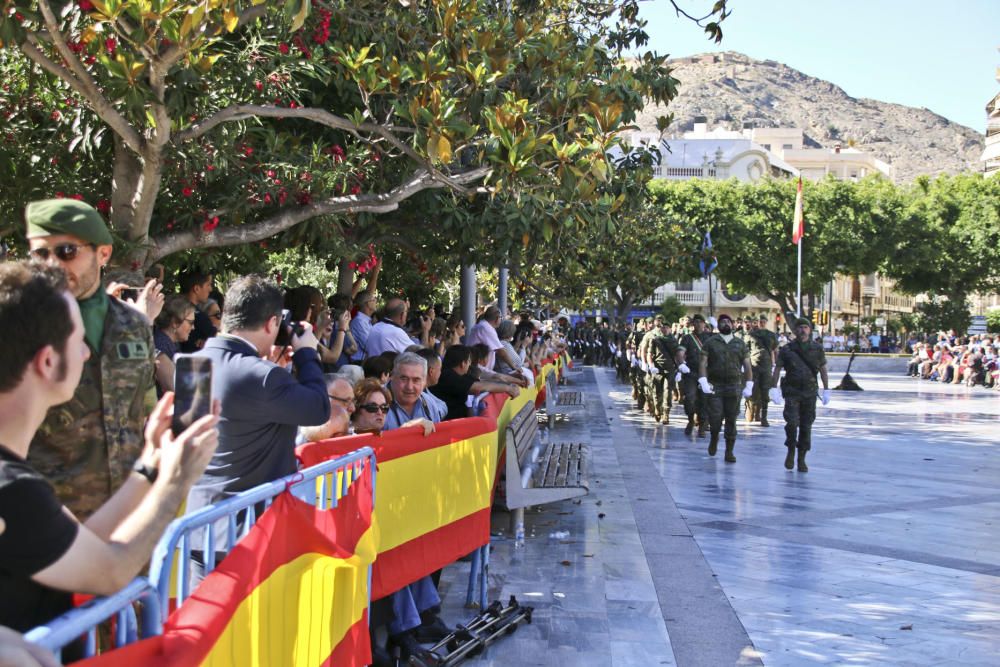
x: 294, y: 591
x: 435, y: 492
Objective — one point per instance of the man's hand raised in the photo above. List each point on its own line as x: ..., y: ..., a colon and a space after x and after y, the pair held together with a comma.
x: 307, y: 339
x: 183, y: 458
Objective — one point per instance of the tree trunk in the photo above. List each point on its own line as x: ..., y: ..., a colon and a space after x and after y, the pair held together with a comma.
x: 345, y: 277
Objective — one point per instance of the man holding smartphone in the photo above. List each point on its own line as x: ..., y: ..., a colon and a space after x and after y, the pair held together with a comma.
x: 263, y: 404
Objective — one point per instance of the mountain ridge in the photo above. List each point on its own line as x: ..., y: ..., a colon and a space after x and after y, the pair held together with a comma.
x: 731, y: 89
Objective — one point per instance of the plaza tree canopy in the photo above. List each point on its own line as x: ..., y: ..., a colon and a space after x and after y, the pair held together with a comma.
x: 225, y: 123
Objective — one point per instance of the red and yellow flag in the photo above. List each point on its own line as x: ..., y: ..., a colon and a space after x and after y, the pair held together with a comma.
x: 434, y: 495
x: 799, y: 224
x: 294, y: 591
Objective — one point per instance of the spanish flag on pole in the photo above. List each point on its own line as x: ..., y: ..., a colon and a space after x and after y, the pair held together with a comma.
x: 799, y: 224
x: 294, y: 591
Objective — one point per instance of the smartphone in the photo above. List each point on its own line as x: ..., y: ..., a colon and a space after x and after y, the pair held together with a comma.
x: 130, y: 293
x: 287, y: 329
x: 192, y: 391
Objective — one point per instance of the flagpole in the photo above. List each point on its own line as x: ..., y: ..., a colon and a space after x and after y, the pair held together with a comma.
x: 798, y: 284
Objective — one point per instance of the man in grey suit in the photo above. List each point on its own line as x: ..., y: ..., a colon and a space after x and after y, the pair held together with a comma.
x: 263, y: 404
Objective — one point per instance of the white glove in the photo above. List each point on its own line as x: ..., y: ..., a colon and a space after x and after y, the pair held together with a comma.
x: 643, y: 366
x: 653, y: 370
x: 677, y: 378
x: 705, y: 386
x: 683, y: 368
x: 825, y: 397
x: 630, y: 355
x: 775, y: 396
x: 748, y: 390
x: 713, y: 322
x: 635, y: 362
x: 618, y: 354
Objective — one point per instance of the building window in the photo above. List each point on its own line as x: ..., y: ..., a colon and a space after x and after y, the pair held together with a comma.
x: 786, y: 147
x: 767, y: 147
x: 684, y: 287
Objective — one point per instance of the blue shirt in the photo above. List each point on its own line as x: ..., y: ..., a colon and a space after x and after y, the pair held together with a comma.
x: 361, y: 326
x: 422, y: 409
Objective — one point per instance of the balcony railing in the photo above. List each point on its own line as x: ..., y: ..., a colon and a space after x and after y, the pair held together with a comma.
x: 691, y: 298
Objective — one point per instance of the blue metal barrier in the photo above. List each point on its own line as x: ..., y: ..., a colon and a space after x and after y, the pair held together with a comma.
x: 322, y: 485
x: 83, y: 620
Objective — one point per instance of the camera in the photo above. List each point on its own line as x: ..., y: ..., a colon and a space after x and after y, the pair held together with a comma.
x: 288, y: 329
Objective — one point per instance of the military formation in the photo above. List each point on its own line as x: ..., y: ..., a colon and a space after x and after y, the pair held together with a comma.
x: 716, y: 370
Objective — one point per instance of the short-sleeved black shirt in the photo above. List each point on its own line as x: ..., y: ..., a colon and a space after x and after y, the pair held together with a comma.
x: 36, y: 533
x: 453, y: 389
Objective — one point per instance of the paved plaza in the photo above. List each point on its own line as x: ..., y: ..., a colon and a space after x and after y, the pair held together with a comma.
x: 885, y: 553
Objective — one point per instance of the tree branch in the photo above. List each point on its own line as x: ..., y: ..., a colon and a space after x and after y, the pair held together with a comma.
x: 323, y: 117
x: 289, y: 217
x: 78, y: 78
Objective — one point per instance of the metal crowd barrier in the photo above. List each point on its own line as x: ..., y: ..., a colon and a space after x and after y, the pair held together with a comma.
x: 322, y: 485
x: 84, y: 620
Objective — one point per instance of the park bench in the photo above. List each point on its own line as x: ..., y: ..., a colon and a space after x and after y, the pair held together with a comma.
x: 560, y: 402
x: 537, y: 472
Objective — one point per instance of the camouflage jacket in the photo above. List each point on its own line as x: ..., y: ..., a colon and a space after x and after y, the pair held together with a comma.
x: 86, y: 447
x: 725, y: 360
x: 663, y: 351
x: 762, y: 343
x: 799, y: 377
x: 693, y: 345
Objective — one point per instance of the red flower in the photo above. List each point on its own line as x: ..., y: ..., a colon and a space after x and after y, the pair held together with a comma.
x: 267, y: 199
x: 135, y: 265
x: 210, y: 225
x: 85, y: 5
x: 355, y: 189
x: 187, y: 192
x: 60, y: 195
x: 259, y: 85
x: 90, y: 60
x: 282, y: 196
x: 104, y: 206
x: 283, y: 49
x: 270, y: 173
x: 304, y: 199
x: 209, y: 167
x: 55, y: 115
x: 110, y: 45
x: 77, y: 197
x: 170, y: 225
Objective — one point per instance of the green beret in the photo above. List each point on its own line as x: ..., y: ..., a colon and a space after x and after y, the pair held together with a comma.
x: 66, y: 216
x: 697, y: 317
x: 802, y: 321
x: 763, y: 317
x: 658, y: 318
x: 649, y: 320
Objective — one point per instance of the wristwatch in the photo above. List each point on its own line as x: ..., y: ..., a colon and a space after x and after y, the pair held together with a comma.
x: 146, y: 471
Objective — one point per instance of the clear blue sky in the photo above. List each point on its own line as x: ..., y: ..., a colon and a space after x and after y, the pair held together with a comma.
x: 939, y: 54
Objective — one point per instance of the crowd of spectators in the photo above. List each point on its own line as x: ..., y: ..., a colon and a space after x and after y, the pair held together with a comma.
x: 289, y: 366
x: 952, y: 359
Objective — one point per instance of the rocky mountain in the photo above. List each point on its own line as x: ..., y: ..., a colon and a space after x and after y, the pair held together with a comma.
x: 731, y: 89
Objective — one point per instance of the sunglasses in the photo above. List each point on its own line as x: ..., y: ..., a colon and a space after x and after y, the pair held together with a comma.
x: 372, y: 408
x: 65, y: 252
x: 345, y: 401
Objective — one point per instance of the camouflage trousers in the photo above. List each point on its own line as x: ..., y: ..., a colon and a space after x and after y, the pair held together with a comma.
x: 761, y: 385
x: 695, y: 401
x: 799, y: 413
x: 724, y: 406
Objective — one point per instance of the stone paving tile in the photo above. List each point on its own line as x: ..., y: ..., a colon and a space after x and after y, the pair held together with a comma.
x: 885, y: 553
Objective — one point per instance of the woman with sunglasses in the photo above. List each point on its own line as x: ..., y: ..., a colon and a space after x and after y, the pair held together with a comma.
x: 372, y: 402
x: 172, y: 327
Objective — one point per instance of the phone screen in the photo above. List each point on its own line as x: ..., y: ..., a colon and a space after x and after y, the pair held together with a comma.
x: 192, y: 390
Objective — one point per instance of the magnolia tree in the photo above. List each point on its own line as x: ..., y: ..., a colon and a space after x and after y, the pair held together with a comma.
x: 227, y: 123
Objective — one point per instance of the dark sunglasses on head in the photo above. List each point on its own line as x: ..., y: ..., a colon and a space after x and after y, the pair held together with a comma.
x: 65, y: 252
x: 375, y: 407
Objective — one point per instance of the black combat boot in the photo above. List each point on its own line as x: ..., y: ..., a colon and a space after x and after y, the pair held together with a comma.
x: 730, y: 446
x: 713, y: 444
x: 702, y: 428
x: 689, y: 429
x: 802, y: 461
x: 763, y: 415
x: 790, y: 458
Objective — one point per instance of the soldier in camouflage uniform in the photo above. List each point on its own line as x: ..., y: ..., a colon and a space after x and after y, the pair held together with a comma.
x: 662, y: 358
x: 648, y: 376
x: 724, y: 367
x: 763, y: 346
x: 801, y: 360
x: 87, y: 447
x: 695, y: 400
x: 636, y: 374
